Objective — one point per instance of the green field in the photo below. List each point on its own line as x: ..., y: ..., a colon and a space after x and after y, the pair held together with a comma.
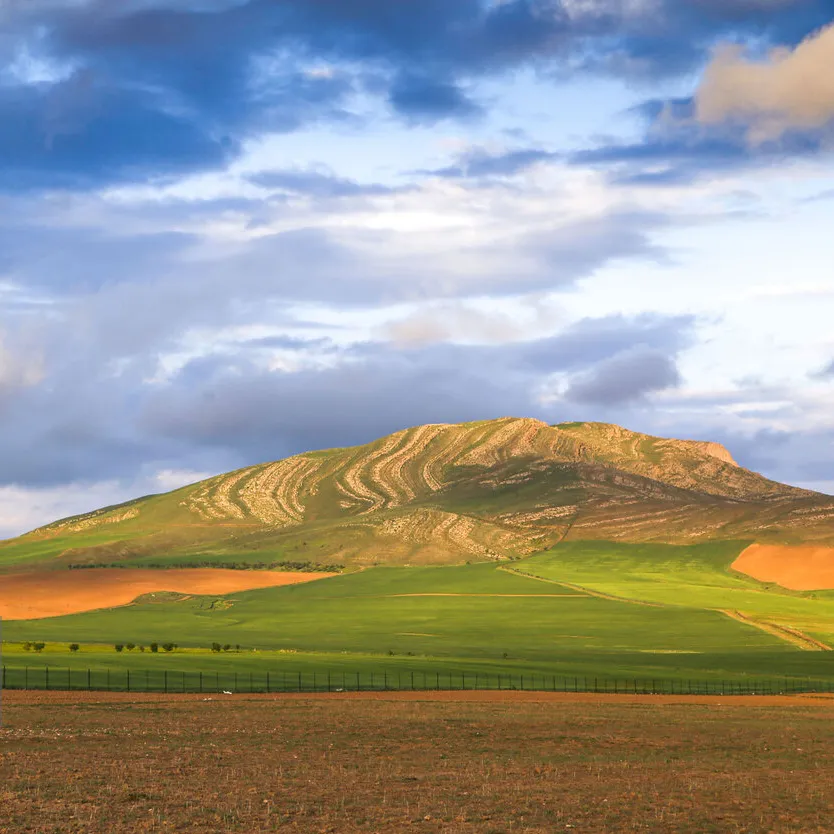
x: 696, y: 577
x: 479, y: 618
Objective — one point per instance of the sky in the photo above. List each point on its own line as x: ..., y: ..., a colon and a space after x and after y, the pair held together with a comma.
x: 235, y: 230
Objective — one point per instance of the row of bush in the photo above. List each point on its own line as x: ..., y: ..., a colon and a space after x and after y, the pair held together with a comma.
x: 300, y: 567
x: 121, y: 647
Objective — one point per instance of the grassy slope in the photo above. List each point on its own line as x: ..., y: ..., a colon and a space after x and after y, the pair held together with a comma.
x: 697, y: 577
x: 443, y: 494
x: 352, y: 622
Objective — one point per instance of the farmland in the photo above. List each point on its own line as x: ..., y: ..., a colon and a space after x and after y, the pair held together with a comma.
x: 494, y: 547
x: 452, y: 763
x: 480, y: 618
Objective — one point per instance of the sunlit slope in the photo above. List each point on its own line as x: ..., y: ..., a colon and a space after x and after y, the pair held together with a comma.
x: 499, y: 489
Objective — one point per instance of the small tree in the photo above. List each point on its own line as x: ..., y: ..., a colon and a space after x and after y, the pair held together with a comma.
x: 227, y: 647
x: 119, y: 647
x: 130, y: 646
x: 154, y: 647
x: 38, y: 647
x: 169, y: 647
x: 73, y: 647
x: 141, y: 648
x: 216, y: 647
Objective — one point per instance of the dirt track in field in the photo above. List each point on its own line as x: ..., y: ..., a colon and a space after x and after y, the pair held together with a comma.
x: 818, y: 700
x: 29, y: 596
x: 798, y: 568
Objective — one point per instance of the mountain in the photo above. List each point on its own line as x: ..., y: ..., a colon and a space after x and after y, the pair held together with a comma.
x: 499, y: 489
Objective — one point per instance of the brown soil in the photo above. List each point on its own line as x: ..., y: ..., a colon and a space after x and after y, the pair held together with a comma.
x: 29, y: 596
x: 798, y: 568
x: 448, y: 763
x: 816, y: 700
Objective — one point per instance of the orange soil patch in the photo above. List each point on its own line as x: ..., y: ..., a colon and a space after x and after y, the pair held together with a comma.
x: 798, y: 568
x: 30, y: 596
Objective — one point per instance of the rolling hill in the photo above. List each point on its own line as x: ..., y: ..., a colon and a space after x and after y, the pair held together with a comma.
x: 443, y: 494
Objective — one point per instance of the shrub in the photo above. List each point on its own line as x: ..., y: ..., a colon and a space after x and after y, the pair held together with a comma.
x: 227, y: 647
x: 154, y: 647
x: 169, y: 647
x: 130, y: 646
x: 38, y: 647
x: 216, y: 647
x: 73, y: 647
x: 141, y: 648
x: 237, y: 647
x: 27, y: 646
x: 118, y: 647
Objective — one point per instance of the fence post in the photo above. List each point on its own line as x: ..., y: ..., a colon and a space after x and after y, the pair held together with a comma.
x: 47, y: 677
x: 164, y: 679
x: 127, y: 681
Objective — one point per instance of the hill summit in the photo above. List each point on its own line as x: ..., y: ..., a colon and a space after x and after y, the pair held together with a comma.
x: 498, y: 489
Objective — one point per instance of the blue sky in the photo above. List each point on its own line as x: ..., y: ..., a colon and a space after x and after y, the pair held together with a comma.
x: 232, y: 230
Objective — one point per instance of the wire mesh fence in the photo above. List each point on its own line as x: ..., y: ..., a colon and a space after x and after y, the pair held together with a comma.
x: 171, y: 681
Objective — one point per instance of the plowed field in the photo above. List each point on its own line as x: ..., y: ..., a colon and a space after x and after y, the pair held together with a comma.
x: 28, y: 596
x: 456, y: 763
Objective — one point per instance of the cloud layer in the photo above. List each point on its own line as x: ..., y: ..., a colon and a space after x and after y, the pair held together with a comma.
x: 232, y: 230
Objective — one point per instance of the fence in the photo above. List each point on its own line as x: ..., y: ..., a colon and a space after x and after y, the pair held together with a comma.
x: 170, y: 681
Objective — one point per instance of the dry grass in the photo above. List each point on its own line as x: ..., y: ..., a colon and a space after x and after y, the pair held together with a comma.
x: 491, y: 763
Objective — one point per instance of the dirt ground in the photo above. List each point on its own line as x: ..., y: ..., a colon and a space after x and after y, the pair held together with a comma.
x: 799, y: 568
x: 404, y: 762
x: 27, y: 596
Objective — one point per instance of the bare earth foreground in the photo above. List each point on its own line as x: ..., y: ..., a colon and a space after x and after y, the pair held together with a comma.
x: 798, y: 567
x: 445, y: 762
x: 28, y: 596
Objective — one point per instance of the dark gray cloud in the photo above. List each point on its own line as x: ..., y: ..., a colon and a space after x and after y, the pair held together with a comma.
x: 426, y: 99
x: 479, y: 163
x: 171, y: 86
x: 676, y: 148
x: 87, y: 419
x: 120, y: 274
x: 601, y: 341
x: 624, y: 378
x: 827, y: 372
x: 318, y: 184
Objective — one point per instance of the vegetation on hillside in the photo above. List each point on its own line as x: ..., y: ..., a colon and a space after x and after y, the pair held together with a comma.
x: 440, y: 494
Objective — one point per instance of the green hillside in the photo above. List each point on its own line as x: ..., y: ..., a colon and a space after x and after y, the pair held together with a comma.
x: 477, y: 618
x: 580, y: 549
x: 443, y: 494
